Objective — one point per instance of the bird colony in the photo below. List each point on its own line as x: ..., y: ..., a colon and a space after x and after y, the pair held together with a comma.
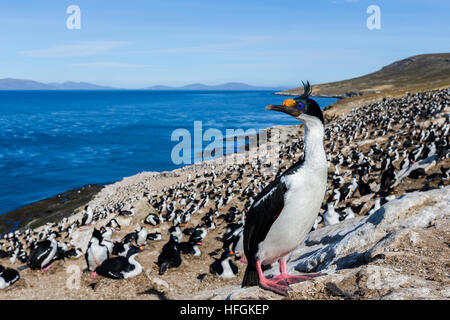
x: 185, y: 228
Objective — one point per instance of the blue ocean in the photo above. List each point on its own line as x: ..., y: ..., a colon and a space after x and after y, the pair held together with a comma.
x: 54, y: 141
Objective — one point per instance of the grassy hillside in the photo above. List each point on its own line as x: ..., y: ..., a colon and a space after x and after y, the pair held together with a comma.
x: 422, y: 72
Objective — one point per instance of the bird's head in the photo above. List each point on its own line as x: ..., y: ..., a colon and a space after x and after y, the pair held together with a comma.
x: 134, y: 250
x: 97, y: 234
x: 302, y: 107
x: 227, y: 254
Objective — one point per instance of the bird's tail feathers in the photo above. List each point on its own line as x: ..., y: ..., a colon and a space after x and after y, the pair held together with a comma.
x: 163, y: 268
x: 250, y: 277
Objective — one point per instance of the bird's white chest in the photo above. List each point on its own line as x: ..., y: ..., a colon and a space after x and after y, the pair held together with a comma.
x: 227, y: 272
x: 136, y: 271
x: 3, y: 283
x: 330, y: 217
x: 96, y: 255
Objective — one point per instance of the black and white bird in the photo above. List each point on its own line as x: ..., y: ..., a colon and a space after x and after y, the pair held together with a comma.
x: 388, y: 179
x: 363, y: 187
x: 376, y: 206
x: 96, y: 252
x: 191, y: 248
x: 332, y: 215
x: 169, y: 256
x: 152, y: 219
x: 73, y: 253
x: 87, y: 216
x: 8, y: 277
x: 155, y: 236
x: 141, y: 239
x: 121, y: 247
x: 43, y: 253
x: 113, y: 224
x: 224, y: 267
x: 127, y: 213
x: 120, y: 267
x: 286, y: 209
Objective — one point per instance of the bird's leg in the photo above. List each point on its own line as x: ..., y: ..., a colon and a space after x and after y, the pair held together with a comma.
x: 284, y: 277
x: 47, y: 268
x: 271, y: 284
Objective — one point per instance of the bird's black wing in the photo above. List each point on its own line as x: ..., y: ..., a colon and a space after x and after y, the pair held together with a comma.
x: 113, y: 268
x: 234, y: 267
x: 264, y: 211
x: 216, y: 267
x: 39, y: 253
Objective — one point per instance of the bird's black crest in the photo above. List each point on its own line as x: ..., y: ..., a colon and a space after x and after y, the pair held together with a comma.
x: 307, y: 90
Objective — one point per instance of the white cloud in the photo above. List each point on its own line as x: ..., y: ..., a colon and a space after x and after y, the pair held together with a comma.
x: 83, y: 49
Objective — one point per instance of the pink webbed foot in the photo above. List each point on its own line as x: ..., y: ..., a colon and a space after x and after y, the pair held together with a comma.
x: 47, y: 268
x: 275, y: 285
x: 243, y: 260
x: 94, y: 275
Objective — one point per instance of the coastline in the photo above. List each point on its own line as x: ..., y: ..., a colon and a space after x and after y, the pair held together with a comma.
x: 51, y: 209
x: 20, y: 218
x: 54, y: 208
x: 352, y: 262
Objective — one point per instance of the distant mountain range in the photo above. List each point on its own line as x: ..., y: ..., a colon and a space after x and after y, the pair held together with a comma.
x: 224, y: 86
x: 19, y: 84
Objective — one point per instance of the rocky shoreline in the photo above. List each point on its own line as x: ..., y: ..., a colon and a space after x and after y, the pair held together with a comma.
x: 51, y: 209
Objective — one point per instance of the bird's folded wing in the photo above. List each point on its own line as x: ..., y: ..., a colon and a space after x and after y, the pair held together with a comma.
x: 263, y: 213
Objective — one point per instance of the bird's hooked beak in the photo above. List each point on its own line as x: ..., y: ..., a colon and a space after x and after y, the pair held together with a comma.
x: 289, y: 106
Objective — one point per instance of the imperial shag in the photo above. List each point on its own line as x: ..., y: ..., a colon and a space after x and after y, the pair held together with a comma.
x: 8, y: 276
x: 285, y: 211
x: 120, y: 267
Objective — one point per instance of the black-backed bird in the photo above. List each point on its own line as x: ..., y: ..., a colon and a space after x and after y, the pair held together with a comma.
x: 120, y: 267
x: 96, y: 252
x: 224, y: 267
x: 42, y: 254
x: 169, y: 256
x: 8, y: 276
x: 285, y: 211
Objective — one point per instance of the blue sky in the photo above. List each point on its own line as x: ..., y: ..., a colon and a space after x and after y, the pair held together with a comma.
x: 138, y: 43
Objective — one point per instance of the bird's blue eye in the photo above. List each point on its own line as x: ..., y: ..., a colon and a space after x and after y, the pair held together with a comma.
x: 299, y: 105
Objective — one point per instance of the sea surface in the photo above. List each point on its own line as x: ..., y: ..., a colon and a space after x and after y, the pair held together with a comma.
x: 54, y: 141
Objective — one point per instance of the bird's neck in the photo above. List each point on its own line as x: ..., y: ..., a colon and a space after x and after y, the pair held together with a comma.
x: 132, y: 258
x: 137, y: 266
x: 314, y: 150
